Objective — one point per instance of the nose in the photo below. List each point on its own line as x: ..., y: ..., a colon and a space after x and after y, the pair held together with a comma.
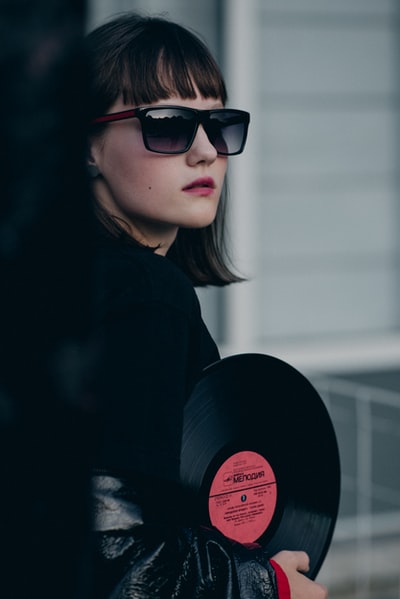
x: 201, y: 150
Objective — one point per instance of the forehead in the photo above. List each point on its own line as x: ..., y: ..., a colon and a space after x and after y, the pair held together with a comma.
x: 198, y: 103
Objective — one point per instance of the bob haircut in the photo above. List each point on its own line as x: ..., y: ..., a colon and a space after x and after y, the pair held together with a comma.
x: 144, y: 60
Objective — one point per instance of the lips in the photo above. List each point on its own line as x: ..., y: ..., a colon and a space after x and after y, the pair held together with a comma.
x: 201, y: 183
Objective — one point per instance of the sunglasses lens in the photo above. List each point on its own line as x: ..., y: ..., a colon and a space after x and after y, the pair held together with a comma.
x: 169, y: 130
x: 227, y: 131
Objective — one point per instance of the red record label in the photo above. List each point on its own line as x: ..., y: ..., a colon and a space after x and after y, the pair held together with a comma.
x: 243, y: 496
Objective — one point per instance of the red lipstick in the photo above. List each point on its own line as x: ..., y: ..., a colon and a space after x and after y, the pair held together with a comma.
x: 203, y: 186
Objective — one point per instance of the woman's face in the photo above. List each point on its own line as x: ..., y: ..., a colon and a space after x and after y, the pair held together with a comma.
x: 156, y: 194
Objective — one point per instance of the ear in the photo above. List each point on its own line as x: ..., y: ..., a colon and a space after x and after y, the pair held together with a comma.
x: 91, y: 165
x: 92, y: 170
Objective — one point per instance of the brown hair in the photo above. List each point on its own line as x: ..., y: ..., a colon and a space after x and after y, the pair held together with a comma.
x: 143, y: 60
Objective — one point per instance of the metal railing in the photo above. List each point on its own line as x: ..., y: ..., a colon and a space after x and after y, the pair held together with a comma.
x: 364, y: 558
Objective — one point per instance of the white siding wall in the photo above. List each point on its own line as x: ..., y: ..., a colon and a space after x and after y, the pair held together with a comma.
x: 324, y: 91
x: 331, y: 191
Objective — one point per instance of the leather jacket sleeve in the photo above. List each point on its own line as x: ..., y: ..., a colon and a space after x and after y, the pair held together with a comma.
x: 140, y: 560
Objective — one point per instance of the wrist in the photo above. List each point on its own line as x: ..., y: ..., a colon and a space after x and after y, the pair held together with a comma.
x: 282, y: 582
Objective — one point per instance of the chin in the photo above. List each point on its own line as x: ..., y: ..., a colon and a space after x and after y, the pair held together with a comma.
x: 199, y: 224
x: 200, y: 221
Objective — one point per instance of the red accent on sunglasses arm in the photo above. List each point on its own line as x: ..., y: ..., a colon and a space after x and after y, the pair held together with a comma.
x: 115, y: 116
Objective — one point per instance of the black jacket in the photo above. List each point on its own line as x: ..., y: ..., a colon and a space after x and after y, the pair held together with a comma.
x: 152, y: 347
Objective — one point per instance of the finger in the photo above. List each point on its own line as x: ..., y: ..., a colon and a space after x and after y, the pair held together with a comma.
x: 297, y: 560
x: 303, y: 561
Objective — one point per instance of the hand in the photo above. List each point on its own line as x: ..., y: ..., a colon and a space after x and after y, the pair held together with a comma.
x: 293, y: 563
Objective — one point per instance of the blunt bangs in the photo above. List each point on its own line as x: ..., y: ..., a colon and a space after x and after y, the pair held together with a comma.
x: 181, y: 66
x: 153, y: 60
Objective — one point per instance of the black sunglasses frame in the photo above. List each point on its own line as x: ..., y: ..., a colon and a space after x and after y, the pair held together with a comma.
x: 202, y: 117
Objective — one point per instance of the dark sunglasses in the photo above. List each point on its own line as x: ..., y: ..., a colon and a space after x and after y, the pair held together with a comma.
x: 172, y: 129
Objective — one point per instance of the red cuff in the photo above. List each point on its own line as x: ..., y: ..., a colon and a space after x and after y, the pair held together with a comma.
x: 281, y: 581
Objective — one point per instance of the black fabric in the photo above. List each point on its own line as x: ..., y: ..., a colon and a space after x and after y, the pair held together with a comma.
x: 153, y: 346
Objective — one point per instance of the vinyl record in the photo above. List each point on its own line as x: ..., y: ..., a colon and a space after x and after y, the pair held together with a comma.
x: 260, y: 458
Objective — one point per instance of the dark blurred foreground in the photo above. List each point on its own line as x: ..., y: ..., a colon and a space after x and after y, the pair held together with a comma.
x: 46, y: 430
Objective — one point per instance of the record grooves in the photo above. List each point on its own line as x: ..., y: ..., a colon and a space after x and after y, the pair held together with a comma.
x: 260, y: 458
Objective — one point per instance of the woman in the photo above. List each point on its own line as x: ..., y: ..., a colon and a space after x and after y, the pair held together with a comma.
x: 159, y: 142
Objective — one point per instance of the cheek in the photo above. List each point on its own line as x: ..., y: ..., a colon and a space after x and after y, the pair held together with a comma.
x: 135, y: 183
x: 221, y: 172
x: 222, y: 165
x: 121, y: 152
x: 140, y: 184
x: 127, y: 170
